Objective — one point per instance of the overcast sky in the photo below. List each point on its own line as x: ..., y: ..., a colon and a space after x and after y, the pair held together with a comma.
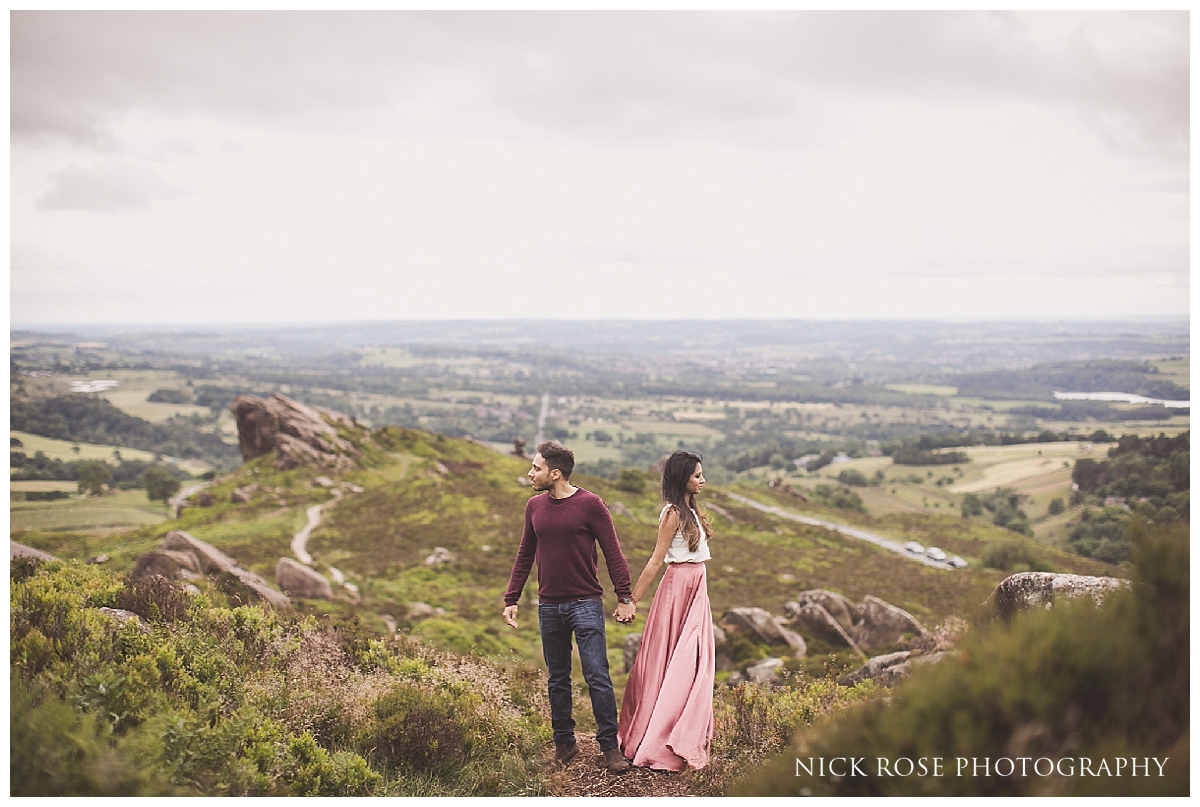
x: 200, y: 167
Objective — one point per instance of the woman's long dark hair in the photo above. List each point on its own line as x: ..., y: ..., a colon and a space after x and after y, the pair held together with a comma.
x: 677, y: 470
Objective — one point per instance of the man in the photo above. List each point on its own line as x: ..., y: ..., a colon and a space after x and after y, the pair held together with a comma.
x: 562, y: 528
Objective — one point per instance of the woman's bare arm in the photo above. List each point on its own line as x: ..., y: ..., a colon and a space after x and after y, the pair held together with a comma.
x: 666, y: 533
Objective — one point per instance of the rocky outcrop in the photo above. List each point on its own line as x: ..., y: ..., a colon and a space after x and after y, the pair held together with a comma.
x: 168, y: 564
x: 297, y: 580
x: 889, y: 668
x: 821, y: 624
x: 1042, y: 589
x: 299, y: 435
x: 762, y: 626
x: 834, y: 619
x: 182, y: 556
x: 883, y: 623
x: 16, y: 550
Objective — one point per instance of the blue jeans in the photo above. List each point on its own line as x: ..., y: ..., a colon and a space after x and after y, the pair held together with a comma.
x: 584, y: 618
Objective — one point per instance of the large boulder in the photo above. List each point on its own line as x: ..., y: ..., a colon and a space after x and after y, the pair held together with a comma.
x: 883, y: 624
x: 845, y: 612
x: 209, y: 559
x: 1041, y: 589
x: 824, y: 626
x: 183, y: 555
x: 755, y: 622
x: 297, y: 580
x: 299, y: 435
x: 166, y: 563
x: 16, y: 550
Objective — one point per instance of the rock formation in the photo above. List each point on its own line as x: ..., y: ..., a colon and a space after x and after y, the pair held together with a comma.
x: 889, y: 668
x: 759, y: 623
x: 633, y: 643
x: 297, y: 580
x: 184, y: 557
x: 833, y: 618
x: 298, y: 434
x: 440, y: 555
x: 16, y: 550
x: 1041, y: 589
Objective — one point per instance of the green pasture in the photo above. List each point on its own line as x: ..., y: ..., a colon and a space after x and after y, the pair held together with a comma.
x: 923, y: 389
x: 116, y: 510
x: 61, y: 449
x: 42, y: 485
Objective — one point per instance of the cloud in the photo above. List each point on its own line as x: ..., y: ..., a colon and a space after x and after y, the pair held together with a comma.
x: 753, y: 78
x: 105, y: 189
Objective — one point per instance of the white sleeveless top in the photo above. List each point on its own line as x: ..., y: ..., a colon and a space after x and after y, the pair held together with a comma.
x: 678, y: 551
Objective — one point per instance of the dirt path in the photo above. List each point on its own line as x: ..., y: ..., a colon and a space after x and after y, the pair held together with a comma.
x: 586, y: 776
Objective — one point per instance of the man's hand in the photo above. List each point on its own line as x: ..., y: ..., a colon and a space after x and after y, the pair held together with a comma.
x: 626, y: 612
x: 510, y: 615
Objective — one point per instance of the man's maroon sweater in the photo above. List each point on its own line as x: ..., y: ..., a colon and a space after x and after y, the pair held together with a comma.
x: 561, y: 535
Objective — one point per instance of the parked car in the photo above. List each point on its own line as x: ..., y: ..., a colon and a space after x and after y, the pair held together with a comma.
x: 933, y: 553
x: 956, y: 562
x: 914, y: 548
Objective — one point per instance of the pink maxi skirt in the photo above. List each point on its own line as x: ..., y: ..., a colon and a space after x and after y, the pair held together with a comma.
x: 667, y: 713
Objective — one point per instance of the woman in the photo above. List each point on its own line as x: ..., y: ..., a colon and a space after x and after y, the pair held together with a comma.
x: 667, y: 713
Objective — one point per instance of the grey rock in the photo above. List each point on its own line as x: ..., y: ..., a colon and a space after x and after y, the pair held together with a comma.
x: 297, y: 580
x: 757, y: 622
x: 845, y: 612
x: 166, y: 563
x: 211, y: 560
x: 883, y: 624
x: 323, y: 481
x: 765, y: 671
x: 1041, y: 589
x: 889, y: 668
x: 239, y: 496
x: 633, y: 643
x: 101, y: 558
x: 204, y: 499
x: 874, y: 667
x: 420, y: 610
x: 719, y: 637
x: 125, y: 617
x: 16, y: 550
x: 821, y: 624
x: 795, y: 641
x: 440, y: 555
x: 299, y: 435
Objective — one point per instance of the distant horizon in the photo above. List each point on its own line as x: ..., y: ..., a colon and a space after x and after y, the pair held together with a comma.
x: 1144, y: 318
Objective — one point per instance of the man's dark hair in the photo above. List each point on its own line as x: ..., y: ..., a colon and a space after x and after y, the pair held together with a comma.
x: 556, y: 455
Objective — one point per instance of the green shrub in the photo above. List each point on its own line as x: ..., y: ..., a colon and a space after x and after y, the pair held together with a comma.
x: 1073, y: 681
x: 1013, y: 556
x: 631, y: 480
x: 853, y: 478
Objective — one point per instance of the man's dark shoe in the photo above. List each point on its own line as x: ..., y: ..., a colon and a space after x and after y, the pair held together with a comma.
x: 615, y: 762
x: 565, y: 752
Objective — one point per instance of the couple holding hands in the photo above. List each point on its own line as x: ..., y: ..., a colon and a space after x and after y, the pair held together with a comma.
x: 666, y: 718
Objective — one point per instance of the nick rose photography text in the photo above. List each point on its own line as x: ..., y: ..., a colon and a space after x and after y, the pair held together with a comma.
x: 842, y: 767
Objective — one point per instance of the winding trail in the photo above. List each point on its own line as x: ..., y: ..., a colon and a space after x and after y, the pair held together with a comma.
x: 300, y: 540
x: 878, y: 540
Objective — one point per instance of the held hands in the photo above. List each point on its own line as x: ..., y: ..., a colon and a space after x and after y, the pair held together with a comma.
x: 510, y: 615
x: 626, y: 612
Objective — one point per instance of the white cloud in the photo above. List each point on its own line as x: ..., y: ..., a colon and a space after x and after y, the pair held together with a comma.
x: 105, y: 189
